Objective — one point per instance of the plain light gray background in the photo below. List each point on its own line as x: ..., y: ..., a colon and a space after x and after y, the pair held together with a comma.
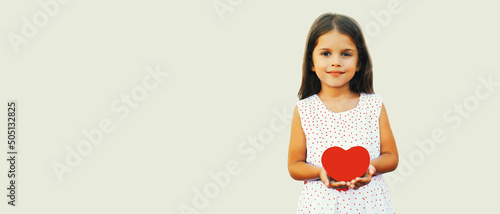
x: 228, y: 78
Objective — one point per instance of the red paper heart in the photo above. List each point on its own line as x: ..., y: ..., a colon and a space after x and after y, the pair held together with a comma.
x: 345, y: 165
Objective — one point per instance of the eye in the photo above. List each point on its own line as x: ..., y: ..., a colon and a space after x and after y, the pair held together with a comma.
x: 346, y: 54
x: 325, y: 53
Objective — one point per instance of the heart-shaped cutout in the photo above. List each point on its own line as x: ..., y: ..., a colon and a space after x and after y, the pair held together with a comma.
x: 345, y: 165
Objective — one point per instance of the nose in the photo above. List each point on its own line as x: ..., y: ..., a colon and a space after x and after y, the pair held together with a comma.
x: 335, y: 61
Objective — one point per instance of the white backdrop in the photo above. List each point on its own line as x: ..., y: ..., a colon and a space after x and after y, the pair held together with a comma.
x: 157, y: 106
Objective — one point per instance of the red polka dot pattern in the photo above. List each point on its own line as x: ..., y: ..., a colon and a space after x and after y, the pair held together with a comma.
x: 356, y: 127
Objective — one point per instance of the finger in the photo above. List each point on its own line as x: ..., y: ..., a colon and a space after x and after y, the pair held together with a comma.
x: 360, y: 184
x: 338, y: 185
x: 367, y: 177
x: 369, y: 173
x: 328, y: 183
x: 353, y: 185
x: 325, y: 181
x: 341, y: 188
x: 372, y: 169
x: 345, y: 187
x: 362, y: 181
x: 324, y: 177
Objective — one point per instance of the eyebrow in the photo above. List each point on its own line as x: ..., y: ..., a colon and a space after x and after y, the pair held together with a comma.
x: 345, y: 49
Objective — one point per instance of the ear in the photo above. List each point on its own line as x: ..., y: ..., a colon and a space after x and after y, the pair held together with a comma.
x: 357, y: 68
x: 313, y: 69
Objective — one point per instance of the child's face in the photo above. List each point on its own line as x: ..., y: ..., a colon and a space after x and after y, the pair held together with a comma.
x: 335, y: 59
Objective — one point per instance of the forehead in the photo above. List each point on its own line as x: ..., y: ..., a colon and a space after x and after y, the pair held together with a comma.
x: 335, y: 40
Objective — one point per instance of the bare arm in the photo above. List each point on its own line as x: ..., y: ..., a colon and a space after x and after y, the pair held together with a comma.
x: 297, y: 152
x: 389, y: 158
x: 297, y: 166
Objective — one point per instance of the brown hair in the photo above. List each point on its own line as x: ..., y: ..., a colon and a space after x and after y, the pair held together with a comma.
x: 362, y: 80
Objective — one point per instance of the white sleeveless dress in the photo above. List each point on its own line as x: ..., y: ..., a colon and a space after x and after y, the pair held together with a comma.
x: 356, y: 127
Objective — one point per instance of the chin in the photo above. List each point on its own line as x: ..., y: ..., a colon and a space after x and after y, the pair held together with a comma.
x: 337, y: 85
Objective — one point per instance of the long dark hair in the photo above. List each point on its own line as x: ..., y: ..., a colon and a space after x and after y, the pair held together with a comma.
x: 362, y: 80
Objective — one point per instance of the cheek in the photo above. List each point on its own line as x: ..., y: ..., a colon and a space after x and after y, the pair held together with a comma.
x: 351, y: 62
x: 320, y: 63
x: 316, y: 64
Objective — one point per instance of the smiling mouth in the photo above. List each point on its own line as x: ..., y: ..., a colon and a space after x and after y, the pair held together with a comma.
x: 335, y: 73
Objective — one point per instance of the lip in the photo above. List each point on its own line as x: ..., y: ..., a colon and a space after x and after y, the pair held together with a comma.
x: 335, y: 73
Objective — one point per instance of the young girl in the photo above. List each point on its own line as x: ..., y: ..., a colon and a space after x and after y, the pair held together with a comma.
x: 338, y: 107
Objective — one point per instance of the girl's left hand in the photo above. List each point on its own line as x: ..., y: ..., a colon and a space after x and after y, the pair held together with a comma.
x: 361, y: 181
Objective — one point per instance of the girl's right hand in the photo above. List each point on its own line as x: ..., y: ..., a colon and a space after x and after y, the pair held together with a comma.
x: 330, y: 183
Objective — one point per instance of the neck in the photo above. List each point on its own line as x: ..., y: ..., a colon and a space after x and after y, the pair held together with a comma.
x: 336, y: 92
